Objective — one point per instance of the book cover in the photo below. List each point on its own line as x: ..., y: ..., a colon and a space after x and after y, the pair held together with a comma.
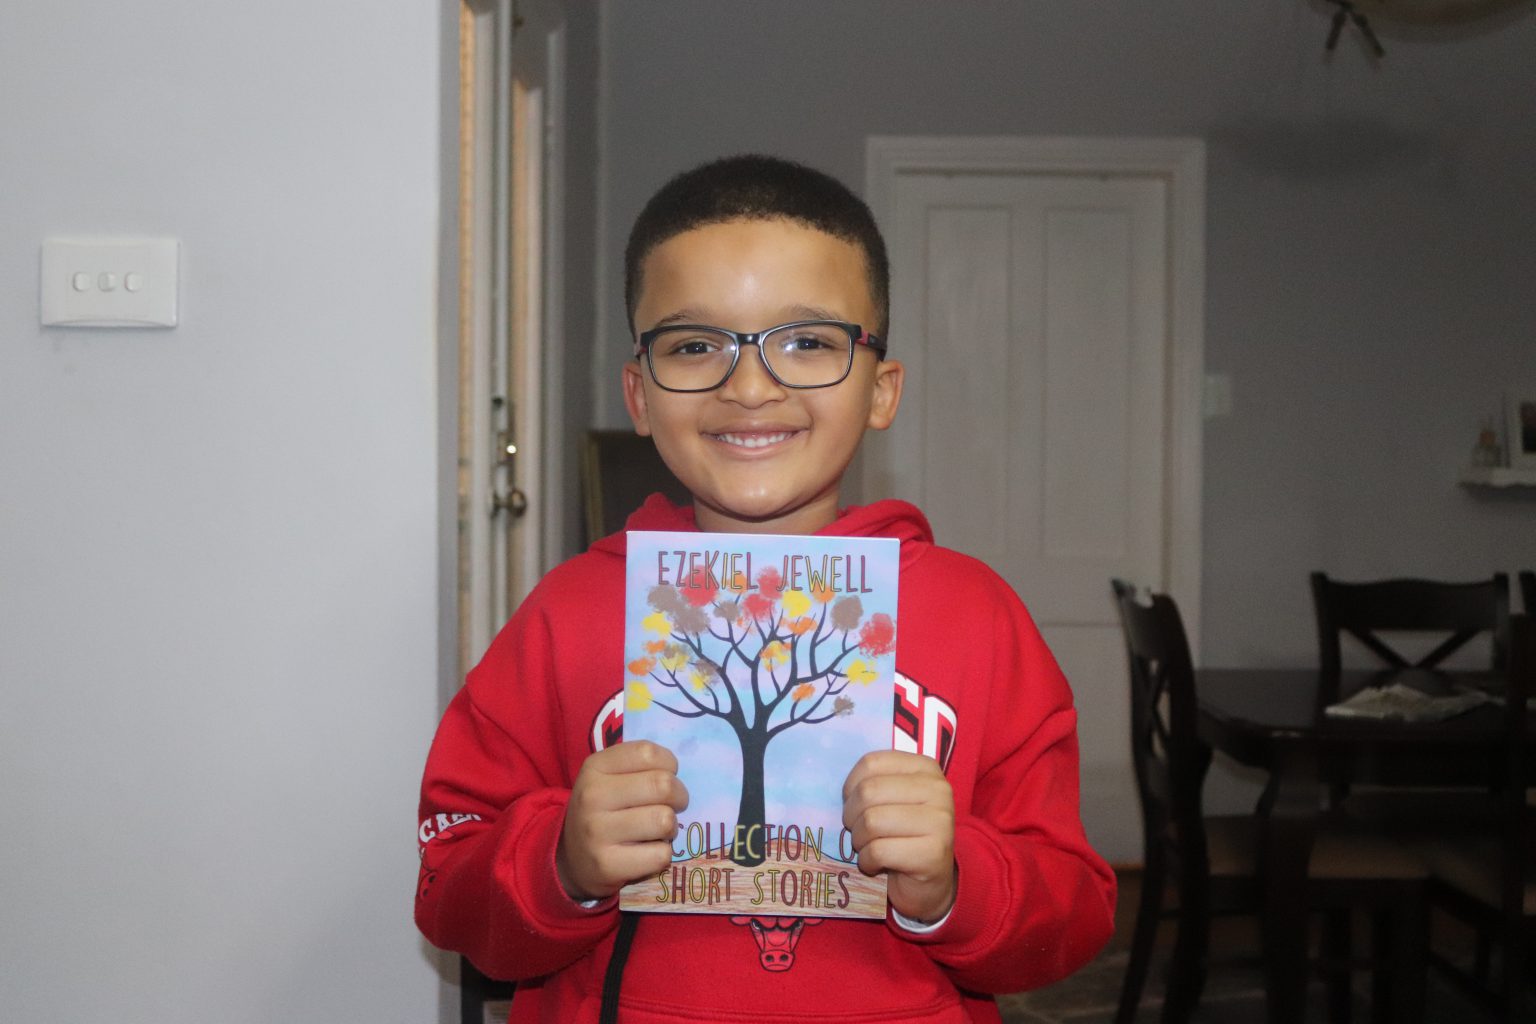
x: 766, y: 664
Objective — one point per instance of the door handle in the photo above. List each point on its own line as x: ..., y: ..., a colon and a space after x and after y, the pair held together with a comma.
x: 514, y: 501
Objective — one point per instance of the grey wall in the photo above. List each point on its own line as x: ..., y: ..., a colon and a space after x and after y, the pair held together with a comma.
x: 219, y: 543
x: 1371, y: 234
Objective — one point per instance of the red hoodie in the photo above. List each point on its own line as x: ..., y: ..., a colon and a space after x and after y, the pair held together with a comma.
x: 976, y: 689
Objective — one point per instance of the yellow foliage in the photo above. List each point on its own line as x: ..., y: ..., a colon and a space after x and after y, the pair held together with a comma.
x: 796, y: 603
x: 774, y: 654
x: 637, y: 696
x: 862, y: 673
x: 657, y: 623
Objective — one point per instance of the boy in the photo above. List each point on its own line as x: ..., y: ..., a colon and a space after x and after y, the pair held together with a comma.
x: 534, y: 815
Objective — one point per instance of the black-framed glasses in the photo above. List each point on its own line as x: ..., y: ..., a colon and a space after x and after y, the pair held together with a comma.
x: 803, y: 354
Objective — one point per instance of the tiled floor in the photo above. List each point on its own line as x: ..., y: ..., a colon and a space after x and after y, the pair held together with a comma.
x: 1233, y: 994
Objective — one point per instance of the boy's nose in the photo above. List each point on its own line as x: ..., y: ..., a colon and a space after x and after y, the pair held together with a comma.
x: 750, y: 383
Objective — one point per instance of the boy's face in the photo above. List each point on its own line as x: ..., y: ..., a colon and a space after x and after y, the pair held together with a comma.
x: 759, y: 457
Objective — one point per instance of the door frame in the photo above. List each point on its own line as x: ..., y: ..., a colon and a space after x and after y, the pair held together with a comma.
x: 508, y: 277
x: 1180, y: 162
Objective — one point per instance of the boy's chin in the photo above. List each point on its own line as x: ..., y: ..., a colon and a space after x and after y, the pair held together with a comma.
x: 766, y: 515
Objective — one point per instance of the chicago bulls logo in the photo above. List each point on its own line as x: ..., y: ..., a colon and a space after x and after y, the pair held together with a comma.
x: 925, y: 724
x: 436, y: 834
x: 608, y: 726
x: 776, y: 939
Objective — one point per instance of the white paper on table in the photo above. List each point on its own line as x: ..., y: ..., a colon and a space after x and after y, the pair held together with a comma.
x: 1407, y: 703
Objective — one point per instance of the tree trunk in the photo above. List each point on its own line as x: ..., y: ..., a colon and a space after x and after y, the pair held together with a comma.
x: 750, y: 814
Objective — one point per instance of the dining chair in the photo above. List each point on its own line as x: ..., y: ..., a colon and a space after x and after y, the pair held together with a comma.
x: 1528, y: 591
x: 1453, y: 614
x: 619, y: 470
x: 1211, y: 863
x: 1365, y: 611
x: 1487, y: 877
x: 476, y: 991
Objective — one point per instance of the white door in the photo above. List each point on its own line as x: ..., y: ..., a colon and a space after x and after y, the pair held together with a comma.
x: 1033, y: 310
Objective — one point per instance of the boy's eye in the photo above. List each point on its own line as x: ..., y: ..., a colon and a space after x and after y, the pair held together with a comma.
x: 811, y: 341
x: 688, y: 345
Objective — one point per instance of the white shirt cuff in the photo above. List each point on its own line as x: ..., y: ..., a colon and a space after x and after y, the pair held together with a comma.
x: 918, y: 927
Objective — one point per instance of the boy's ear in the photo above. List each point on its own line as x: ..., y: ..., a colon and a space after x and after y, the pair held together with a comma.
x: 889, y: 377
x: 634, y: 398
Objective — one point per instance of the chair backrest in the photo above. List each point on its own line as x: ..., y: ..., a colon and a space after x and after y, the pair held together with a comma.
x: 1364, y: 610
x: 619, y: 470
x: 1168, y: 756
x: 1528, y: 592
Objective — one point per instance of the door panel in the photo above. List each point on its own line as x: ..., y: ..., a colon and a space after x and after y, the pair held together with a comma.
x: 1031, y: 311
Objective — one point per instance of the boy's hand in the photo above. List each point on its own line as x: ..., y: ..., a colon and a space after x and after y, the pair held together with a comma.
x: 620, y: 821
x: 901, y: 812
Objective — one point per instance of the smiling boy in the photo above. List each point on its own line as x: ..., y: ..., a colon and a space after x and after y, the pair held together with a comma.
x: 757, y: 292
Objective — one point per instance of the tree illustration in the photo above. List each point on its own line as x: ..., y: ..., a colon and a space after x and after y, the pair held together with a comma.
x: 761, y: 659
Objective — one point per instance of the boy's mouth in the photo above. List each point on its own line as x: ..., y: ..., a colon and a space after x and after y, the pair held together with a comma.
x: 755, y: 440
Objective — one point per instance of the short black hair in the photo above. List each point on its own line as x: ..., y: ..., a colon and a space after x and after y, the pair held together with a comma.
x: 755, y: 187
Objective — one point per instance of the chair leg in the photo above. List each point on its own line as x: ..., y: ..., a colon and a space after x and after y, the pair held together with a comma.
x: 1401, y: 948
x: 1337, y: 953
x: 1186, y: 975
x: 1513, y: 979
x: 1148, y: 910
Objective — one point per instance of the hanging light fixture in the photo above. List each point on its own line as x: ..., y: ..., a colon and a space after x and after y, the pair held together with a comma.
x: 1421, y: 12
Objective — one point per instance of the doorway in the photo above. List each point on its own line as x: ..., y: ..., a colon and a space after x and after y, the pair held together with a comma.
x: 1047, y: 298
x: 510, y: 307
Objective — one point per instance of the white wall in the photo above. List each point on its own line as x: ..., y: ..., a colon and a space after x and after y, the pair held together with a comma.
x: 218, y: 543
x: 1369, y: 241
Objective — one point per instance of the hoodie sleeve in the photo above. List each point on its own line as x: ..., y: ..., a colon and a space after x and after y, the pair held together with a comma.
x: 1035, y: 902
x: 492, y: 806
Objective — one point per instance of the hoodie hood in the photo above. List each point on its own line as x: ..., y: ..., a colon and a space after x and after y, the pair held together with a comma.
x: 887, y: 518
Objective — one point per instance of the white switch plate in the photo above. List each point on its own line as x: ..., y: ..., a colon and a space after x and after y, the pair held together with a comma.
x: 123, y: 282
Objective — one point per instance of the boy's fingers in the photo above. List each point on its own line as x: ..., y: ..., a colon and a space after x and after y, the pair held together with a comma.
x: 895, y: 821
x: 633, y: 789
x: 640, y: 825
x: 881, y: 763
x: 635, y: 756
x: 919, y: 858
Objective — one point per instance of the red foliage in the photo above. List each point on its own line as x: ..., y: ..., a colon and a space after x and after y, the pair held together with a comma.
x: 699, y: 590
x: 878, y: 635
x: 770, y: 584
x: 757, y: 606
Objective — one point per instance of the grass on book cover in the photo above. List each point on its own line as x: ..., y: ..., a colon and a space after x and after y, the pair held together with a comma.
x: 766, y: 664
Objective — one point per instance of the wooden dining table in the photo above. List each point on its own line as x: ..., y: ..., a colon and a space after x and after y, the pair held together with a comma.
x: 1273, y: 719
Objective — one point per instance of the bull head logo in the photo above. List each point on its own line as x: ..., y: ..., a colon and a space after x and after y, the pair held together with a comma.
x: 776, y: 938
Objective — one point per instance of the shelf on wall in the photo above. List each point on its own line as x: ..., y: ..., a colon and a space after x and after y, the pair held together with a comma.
x: 1497, y: 476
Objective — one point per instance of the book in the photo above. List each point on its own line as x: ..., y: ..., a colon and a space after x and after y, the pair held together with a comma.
x: 766, y: 664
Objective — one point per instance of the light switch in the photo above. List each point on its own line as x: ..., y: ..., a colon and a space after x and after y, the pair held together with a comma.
x: 124, y: 282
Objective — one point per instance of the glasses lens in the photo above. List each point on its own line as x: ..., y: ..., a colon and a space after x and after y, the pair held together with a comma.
x: 809, y: 355
x: 691, y: 358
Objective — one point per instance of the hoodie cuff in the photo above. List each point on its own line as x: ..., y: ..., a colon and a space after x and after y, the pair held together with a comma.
x: 981, y: 898
x: 526, y: 867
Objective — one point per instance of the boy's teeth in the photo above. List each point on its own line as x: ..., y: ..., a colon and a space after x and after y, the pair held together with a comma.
x: 753, y: 440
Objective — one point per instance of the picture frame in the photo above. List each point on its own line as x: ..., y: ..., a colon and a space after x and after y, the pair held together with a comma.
x: 1520, y: 429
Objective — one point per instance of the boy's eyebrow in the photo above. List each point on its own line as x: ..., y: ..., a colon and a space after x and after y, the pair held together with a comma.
x: 795, y: 312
